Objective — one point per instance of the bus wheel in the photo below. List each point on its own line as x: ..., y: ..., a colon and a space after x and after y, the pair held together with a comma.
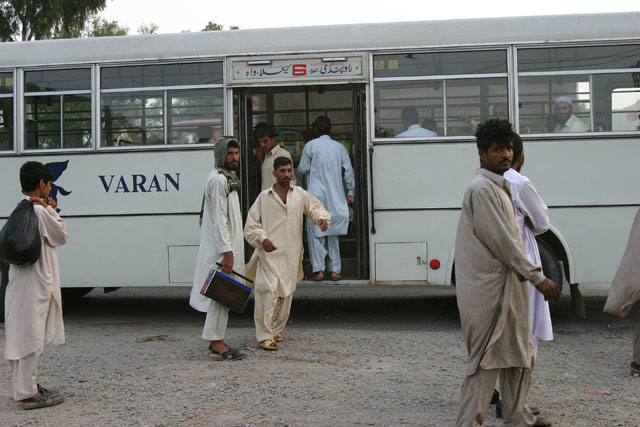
x: 4, y: 281
x: 75, y: 293
x: 550, y: 267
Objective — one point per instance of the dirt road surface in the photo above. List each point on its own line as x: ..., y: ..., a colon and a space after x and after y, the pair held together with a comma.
x: 374, y: 356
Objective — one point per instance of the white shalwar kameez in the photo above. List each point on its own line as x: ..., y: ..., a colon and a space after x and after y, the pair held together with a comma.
x: 277, y: 272
x: 528, y: 204
x: 221, y: 232
x: 33, y: 305
x: 323, y: 161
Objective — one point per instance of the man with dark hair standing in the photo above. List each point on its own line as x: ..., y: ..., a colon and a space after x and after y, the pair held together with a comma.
x: 328, y: 168
x: 33, y: 302
x: 265, y: 135
x: 220, y: 242
x: 274, y: 228
x: 492, y: 271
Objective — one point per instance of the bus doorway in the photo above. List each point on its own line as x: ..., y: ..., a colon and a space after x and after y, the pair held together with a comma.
x: 292, y: 110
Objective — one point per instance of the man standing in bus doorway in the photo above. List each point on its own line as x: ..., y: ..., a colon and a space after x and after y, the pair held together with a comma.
x: 531, y: 211
x: 328, y: 168
x: 33, y: 302
x: 265, y: 135
x: 625, y: 288
x: 220, y: 242
x: 563, y: 120
x: 274, y: 228
x: 492, y: 271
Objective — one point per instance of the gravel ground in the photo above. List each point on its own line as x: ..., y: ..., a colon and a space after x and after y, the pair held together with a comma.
x: 351, y: 356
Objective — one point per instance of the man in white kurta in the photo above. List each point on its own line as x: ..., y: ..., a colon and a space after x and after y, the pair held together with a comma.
x: 412, y: 129
x: 563, y: 118
x: 328, y: 168
x: 265, y: 135
x: 274, y: 228
x: 220, y: 242
x: 492, y: 271
x: 33, y: 302
x: 625, y: 288
x: 532, y: 217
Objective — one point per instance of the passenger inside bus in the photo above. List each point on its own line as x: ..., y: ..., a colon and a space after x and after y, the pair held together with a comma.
x: 410, y: 121
x: 269, y: 150
x: 500, y: 111
x: 563, y: 120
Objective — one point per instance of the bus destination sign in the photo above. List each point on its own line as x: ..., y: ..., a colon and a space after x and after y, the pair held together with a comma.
x: 333, y: 68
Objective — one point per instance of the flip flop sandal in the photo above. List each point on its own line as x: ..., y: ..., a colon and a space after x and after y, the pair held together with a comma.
x: 43, y: 390
x: 269, y: 345
x: 226, y: 355
x: 42, y: 401
x: 278, y: 338
x: 318, y: 277
x: 335, y: 277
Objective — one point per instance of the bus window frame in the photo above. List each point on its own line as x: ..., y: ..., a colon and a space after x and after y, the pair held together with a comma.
x: 22, y: 94
x: 508, y: 75
x: 12, y: 95
x: 586, y: 72
x: 164, y: 89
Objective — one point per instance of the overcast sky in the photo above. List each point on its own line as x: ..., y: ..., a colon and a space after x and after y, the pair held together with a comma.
x: 173, y: 16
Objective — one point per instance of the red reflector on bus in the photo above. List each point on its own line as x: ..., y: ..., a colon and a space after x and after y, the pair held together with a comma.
x: 434, y: 264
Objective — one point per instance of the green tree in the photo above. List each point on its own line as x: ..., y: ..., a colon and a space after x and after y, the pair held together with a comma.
x: 100, y: 27
x: 234, y: 27
x: 212, y: 26
x: 45, y: 19
x: 148, y: 28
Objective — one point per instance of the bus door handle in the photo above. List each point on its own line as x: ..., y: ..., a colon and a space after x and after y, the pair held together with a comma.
x: 420, y: 262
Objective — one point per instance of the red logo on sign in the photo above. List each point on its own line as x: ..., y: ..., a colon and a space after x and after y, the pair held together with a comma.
x: 299, y: 70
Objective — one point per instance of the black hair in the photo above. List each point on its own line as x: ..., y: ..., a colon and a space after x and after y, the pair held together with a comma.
x: 263, y: 129
x: 322, y: 125
x: 233, y: 144
x: 31, y: 173
x: 281, y: 161
x: 518, y: 148
x: 410, y: 115
x: 494, y: 130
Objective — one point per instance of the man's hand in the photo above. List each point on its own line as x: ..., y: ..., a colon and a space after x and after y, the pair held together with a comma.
x: 549, y: 289
x: 38, y: 201
x: 323, y: 224
x: 227, y: 262
x: 52, y: 203
x: 350, y: 199
x: 268, y: 245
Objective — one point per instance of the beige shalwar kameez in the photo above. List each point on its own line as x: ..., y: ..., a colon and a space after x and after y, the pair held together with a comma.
x: 267, y: 166
x: 276, y: 273
x: 492, y: 271
x: 33, y: 306
x: 625, y: 288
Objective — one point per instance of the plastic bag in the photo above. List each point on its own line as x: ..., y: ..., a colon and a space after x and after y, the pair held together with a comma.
x: 20, y: 237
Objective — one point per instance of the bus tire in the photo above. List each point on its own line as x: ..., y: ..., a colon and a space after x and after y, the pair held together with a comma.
x: 550, y: 267
x: 4, y: 281
x: 74, y: 293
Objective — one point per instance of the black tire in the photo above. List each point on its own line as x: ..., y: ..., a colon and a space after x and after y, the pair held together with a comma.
x: 4, y: 281
x: 550, y: 266
x: 74, y: 293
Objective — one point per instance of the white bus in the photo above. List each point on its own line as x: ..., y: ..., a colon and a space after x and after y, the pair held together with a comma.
x: 120, y: 119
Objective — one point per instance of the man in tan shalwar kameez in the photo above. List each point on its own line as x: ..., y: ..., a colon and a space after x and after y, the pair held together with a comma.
x: 33, y: 302
x: 274, y: 228
x: 492, y: 271
x: 625, y: 288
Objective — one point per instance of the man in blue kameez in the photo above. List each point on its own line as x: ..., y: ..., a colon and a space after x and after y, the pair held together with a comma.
x: 328, y: 168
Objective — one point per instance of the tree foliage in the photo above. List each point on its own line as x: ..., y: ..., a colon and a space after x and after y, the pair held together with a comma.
x: 148, y: 28
x: 212, y: 26
x: 45, y: 19
x: 100, y: 27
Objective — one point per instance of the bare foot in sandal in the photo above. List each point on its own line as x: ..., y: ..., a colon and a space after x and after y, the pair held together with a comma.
x: 41, y: 400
